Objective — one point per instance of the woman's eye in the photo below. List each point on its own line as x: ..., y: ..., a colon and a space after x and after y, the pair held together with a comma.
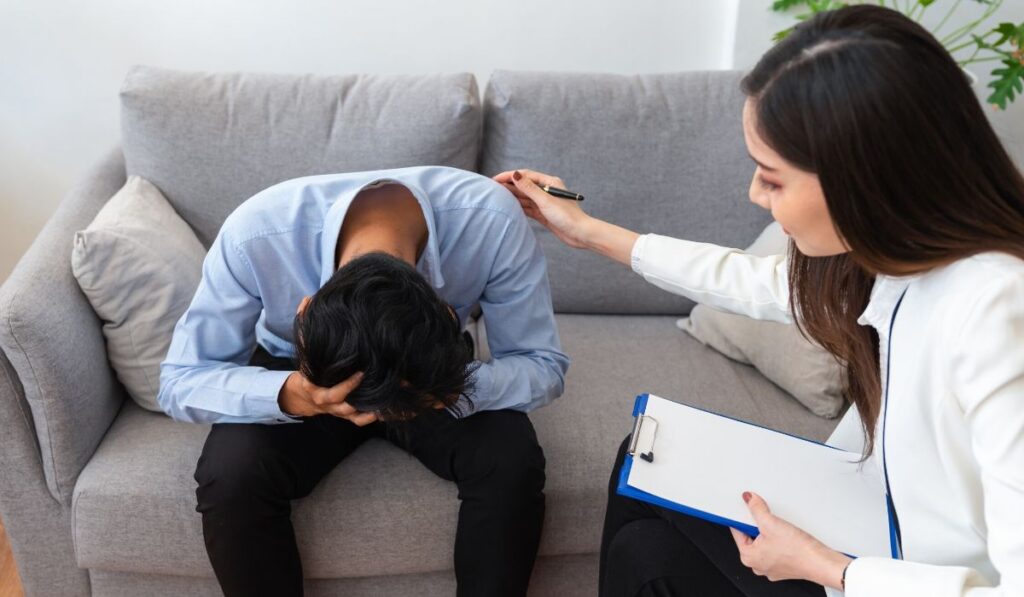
x: 768, y: 186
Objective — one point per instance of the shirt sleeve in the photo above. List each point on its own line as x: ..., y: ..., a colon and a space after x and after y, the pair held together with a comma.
x: 720, y: 277
x: 987, y: 377
x: 204, y: 377
x: 527, y: 367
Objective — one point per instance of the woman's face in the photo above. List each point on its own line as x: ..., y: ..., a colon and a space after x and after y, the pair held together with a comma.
x: 793, y: 196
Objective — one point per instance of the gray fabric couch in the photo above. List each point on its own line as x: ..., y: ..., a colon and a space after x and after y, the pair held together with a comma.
x: 97, y: 494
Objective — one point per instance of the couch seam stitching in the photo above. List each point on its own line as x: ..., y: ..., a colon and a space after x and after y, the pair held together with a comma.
x: 74, y: 525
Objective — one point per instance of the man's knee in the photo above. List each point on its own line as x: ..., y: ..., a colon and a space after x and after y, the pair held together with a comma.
x: 235, y: 471
x: 506, y: 460
x: 520, y: 471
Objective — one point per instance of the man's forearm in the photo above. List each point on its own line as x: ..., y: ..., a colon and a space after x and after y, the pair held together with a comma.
x: 225, y: 393
x: 519, y: 382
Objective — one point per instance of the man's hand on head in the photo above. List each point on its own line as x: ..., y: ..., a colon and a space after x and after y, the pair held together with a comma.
x: 300, y: 397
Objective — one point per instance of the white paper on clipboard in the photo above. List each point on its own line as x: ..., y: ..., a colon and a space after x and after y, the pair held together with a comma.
x: 701, y: 463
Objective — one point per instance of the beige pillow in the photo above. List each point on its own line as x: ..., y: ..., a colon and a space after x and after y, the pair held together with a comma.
x: 138, y: 264
x: 777, y: 350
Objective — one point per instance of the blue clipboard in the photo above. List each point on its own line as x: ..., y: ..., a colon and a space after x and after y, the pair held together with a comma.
x: 624, y: 489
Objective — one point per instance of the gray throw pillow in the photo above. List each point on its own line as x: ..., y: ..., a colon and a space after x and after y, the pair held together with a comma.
x: 138, y: 264
x: 777, y: 350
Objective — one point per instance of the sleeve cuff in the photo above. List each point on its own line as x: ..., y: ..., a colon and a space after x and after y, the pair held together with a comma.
x: 884, y: 577
x: 637, y: 254
x: 261, y: 399
x: 482, y: 393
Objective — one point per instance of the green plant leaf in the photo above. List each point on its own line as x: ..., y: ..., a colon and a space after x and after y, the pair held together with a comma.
x: 784, y: 5
x: 1010, y: 32
x: 1009, y: 81
x: 781, y: 35
x: 1005, y: 30
x: 823, y: 5
x: 815, y: 7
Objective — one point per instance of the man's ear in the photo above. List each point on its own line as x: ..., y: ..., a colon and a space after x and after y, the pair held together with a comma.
x: 303, y: 304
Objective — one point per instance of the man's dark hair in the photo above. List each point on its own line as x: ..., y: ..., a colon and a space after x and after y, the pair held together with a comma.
x: 378, y: 315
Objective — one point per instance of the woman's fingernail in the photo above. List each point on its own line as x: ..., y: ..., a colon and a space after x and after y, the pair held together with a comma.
x: 516, y: 175
x: 746, y: 496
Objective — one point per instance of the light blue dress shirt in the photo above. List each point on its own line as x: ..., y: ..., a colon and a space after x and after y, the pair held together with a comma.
x: 279, y: 246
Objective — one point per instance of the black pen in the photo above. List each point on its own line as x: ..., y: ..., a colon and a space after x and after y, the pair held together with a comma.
x: 557, y: 192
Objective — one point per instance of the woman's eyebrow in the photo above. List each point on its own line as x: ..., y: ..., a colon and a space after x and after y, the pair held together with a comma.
x: 763, y: 167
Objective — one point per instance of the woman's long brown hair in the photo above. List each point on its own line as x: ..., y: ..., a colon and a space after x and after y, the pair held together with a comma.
x: 913, y: 175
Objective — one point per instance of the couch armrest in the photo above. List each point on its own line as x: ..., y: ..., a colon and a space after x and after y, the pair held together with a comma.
x: 54, y: 340
x: 38, y: 526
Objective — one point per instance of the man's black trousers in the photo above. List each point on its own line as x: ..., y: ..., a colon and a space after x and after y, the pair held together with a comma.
x: 249, y: 473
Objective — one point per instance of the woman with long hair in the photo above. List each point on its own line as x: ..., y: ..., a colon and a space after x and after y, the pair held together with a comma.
x: 906, y: 261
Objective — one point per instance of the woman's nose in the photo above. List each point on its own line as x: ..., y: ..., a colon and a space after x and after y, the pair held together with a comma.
x: 760, y: 200
x: 756, y: 196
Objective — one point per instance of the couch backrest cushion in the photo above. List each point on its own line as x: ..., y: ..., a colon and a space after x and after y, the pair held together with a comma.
x: 209, y: 141
x: 654, y: 153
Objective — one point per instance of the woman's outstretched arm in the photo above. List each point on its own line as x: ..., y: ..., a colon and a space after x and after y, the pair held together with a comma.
x: 721, y: 277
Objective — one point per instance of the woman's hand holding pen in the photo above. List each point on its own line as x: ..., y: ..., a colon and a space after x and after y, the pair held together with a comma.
x: 782, y: 551
x: 565, y: 219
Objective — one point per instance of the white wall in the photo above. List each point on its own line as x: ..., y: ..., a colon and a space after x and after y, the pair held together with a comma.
x: 63, y: 62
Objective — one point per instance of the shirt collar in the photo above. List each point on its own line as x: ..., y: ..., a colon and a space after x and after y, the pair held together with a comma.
x: 884, y: 295
x: 429, y: 263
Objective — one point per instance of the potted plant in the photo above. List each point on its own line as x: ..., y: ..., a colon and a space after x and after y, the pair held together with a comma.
x: 1003, y: 43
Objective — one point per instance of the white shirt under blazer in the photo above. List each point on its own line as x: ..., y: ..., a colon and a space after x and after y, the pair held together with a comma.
x: 954, y: 442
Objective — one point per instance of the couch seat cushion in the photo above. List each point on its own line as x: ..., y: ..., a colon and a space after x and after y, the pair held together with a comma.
x: 380, y: 511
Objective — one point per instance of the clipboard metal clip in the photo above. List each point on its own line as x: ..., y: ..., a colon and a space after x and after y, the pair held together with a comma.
x: 644, y: 430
